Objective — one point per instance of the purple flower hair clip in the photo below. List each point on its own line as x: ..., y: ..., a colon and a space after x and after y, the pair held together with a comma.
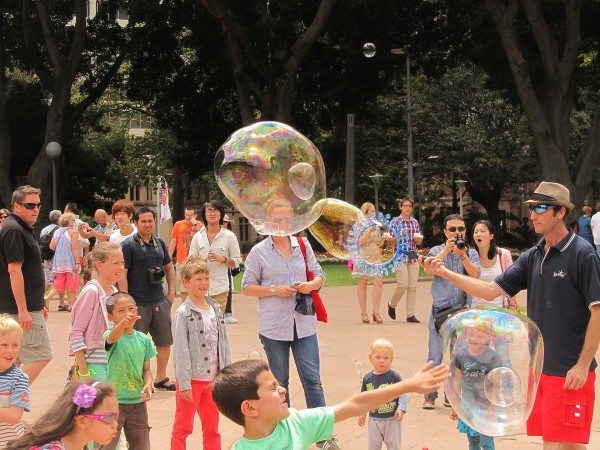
x: 84, y: 396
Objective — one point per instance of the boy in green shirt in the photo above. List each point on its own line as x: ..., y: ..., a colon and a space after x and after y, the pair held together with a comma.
x: 247, y: 393
x: 129, y: 353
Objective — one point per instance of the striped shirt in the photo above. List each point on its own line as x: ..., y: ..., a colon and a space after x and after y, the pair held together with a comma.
x: 403, y: 231
x: 14, y: 391
x: 266, y: 266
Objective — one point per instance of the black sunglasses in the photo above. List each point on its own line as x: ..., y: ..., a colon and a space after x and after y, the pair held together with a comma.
x: 455, y: 229
x: 31, y: 206
x: 541, y: 208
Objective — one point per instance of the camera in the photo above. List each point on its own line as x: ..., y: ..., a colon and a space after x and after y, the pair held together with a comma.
x: 460, y: 242
x: 155, y: 275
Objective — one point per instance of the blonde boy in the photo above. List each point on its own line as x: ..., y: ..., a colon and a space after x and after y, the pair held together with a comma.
x: 200, y: 349
x: 14, y: 383
x: 385, y: 421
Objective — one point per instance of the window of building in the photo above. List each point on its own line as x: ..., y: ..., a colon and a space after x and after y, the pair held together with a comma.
x: 244, y: 229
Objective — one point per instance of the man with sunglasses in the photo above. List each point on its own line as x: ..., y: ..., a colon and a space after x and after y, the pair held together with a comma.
x: 562, y: 276
x: 459, y: 259
x: 22, y: 280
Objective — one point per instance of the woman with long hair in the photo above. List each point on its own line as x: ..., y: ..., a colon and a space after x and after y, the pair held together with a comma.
x: 89, y: 319
x: 363, y: 279
x: 494, y: 260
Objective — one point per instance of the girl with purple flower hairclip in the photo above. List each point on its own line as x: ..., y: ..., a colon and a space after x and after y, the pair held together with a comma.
x: 82, y: 413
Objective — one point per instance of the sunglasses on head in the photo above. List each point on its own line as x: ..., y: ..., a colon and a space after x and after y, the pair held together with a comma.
x: 540, y: 208
x: 455, y: 229
x: 107, y: 418
x: 31, y: 206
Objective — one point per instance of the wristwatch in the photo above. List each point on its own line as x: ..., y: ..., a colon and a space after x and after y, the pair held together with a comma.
x: 273, y: 288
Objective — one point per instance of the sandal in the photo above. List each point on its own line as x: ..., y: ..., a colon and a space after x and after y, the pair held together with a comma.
x: 364, y: 318
x: 165, y: 385
x: 64, y: 308
x: 377, y: 318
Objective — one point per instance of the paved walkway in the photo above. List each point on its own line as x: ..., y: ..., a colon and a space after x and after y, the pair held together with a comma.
x: 343, y: 341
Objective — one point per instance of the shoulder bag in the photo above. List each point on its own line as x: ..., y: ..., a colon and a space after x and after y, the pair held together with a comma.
x: 317, y: 301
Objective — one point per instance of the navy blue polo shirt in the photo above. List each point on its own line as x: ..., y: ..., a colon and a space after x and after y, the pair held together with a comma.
x: 137, y: 263
x: 18, y: 244
x: 561, y: 287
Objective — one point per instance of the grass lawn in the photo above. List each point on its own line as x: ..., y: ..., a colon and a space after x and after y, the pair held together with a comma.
x: 337, y: 275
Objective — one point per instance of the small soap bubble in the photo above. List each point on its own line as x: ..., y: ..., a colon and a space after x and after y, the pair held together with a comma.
x: 369, y: 50
x: 359, y: 367
x: 254, y: 354
x: 502, y: 386
x: 495, y: 358
x: 302, y: 180
x: 273, y: 175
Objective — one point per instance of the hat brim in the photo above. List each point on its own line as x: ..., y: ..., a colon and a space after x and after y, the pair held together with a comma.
x: 567, y: 205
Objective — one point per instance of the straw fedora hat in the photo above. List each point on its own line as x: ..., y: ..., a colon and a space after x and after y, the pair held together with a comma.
x: 552, y: 194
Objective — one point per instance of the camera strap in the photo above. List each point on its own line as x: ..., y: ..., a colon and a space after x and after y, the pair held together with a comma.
x: 157, y: 247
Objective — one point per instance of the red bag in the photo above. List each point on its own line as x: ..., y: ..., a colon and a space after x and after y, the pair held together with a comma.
x: 317, y: 300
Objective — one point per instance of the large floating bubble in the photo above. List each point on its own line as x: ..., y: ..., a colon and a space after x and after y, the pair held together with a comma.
x: 495, y: 358
x: 335, y: 220
x: 273, y: 175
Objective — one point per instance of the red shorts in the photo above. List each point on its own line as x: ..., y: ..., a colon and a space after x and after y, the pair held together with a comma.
x: 66, y: 280
x: 562, y: 415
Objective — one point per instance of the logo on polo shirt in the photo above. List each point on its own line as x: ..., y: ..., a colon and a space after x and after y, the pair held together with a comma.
x: 560, y: 273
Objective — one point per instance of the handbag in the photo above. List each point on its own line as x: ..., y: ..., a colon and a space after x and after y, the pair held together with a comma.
x: 440, y: 317
x: 318, y: 304
x: 304, y: 304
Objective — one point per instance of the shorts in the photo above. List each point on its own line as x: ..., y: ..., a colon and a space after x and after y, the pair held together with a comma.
x: 156, y: 320
x: 561, y: 415
x: 35, y: 345
x: 68, y: 280
x: 221, y: 299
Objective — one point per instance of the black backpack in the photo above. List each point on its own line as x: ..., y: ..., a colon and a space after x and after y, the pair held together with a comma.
x: 44, y: 243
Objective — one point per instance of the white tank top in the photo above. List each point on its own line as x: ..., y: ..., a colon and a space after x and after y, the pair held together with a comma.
x: 489, y: 274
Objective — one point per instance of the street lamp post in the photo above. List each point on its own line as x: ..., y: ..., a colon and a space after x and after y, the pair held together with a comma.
x: 53, y: 150
x: 376, y: 182
x: 461, y: 185
x: 409, y: 140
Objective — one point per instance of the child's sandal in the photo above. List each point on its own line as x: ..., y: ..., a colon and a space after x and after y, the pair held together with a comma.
x: 364, y: 318
x: 377, y: 318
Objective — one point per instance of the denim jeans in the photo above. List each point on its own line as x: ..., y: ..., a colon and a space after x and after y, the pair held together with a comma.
x: 306, y: 357
x: 481, y: 442
x: 435, y: 350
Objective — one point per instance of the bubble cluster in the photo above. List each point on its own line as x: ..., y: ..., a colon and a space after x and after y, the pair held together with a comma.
x: 495, y: 358
x: 273, y: 175
x: 369, y: 50
x: 254, y: 354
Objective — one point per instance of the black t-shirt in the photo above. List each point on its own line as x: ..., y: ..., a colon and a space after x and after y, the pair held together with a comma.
x: 372, y: 381
x: 137, y: 263
x: 18, y: 244
x: 561, y: 286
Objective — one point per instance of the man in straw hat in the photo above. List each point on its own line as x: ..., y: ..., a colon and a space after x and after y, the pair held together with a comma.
x: 562, y: 276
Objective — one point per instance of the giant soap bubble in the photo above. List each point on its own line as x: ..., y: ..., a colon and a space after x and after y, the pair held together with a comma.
x: 347, y: 233
x: 274, y: 175
x: 495, y: 358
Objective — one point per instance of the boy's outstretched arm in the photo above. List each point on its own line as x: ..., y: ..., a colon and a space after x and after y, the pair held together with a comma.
x: 427, y: 379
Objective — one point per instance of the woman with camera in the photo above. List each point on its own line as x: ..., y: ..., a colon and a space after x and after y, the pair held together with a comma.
x: 275, y: 272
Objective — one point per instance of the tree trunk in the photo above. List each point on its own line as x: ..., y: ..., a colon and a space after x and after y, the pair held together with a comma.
x: 549, y: 111
x: 178, y: 193
x: 5, y: 140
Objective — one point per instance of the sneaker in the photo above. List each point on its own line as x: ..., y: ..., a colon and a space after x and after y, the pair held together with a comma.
x: 429, y: 403
x: 391, y: 312
x: 412, y: 319
x: 230, y: 319
x: 329, y: 444
x: 165, y: 385
x: 447, y: 402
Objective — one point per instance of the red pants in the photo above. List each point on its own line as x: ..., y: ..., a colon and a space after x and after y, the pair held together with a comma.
x: 202, y: 402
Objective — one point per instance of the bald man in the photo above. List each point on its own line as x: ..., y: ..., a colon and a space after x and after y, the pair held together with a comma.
x: 104, y: 226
